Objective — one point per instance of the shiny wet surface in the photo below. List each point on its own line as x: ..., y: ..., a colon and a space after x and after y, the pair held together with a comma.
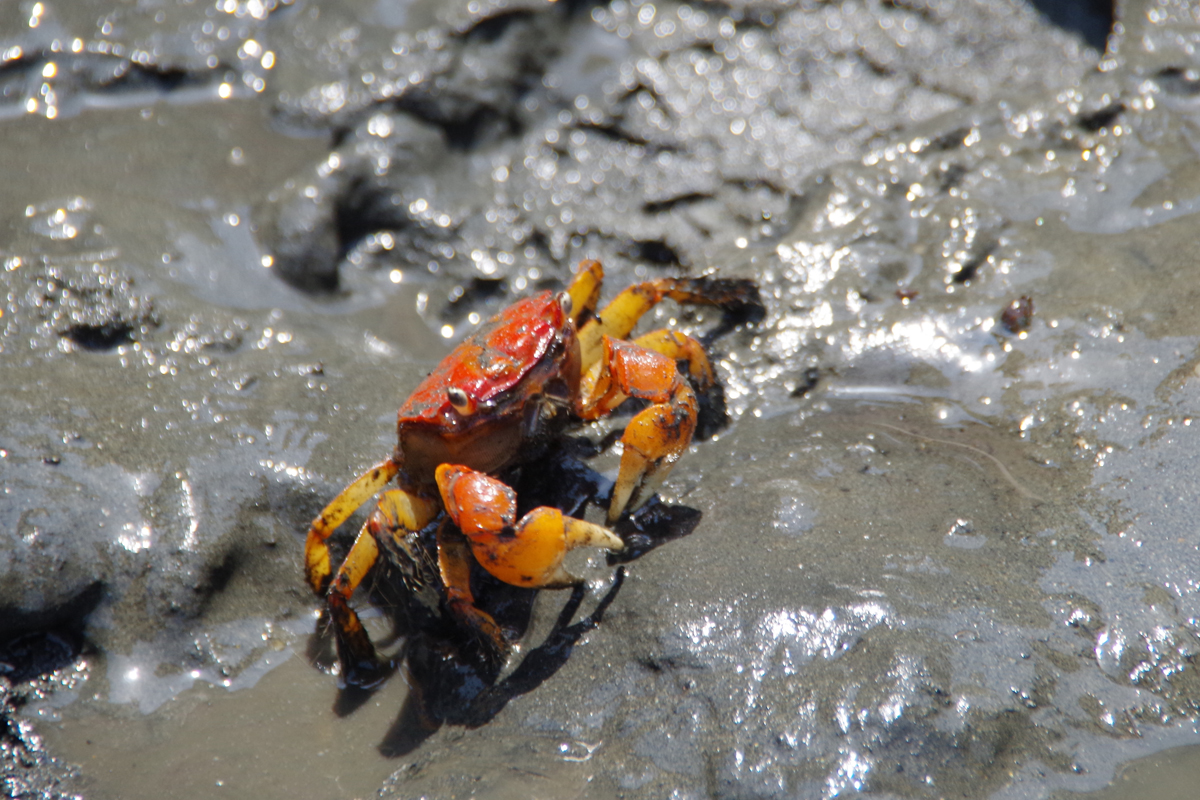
x: 941, y: 549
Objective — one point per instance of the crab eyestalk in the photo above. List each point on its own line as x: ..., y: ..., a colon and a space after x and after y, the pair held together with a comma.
x: 462, y: 402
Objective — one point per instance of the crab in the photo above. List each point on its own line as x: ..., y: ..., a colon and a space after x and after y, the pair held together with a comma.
x: 545, y: 362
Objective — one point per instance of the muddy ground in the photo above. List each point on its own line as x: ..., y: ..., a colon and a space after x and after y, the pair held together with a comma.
x: 946, y: 541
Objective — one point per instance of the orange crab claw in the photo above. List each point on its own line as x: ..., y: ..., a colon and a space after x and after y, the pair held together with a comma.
x: 653, y: 441
x: 528, y: 552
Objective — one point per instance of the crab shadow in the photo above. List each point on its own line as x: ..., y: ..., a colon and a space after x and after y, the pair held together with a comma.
x: 445, y: 689
x: 454, y: 678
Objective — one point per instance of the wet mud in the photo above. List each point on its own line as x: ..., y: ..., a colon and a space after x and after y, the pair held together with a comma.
x: 939, y: 540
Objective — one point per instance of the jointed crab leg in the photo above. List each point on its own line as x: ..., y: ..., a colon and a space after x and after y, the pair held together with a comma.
x: 396, y: 514
x: 355, y: 651
x: 454, y: 564
x: 585, y: 289
x: 526, y: 552
x: 619, y: 317
x: 340, y: 509
x: 635, y: 371
x: 681, y: 347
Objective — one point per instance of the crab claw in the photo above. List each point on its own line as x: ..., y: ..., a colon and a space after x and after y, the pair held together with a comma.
x: 653, y: 441
x: 660, y: 433
x: 527, y: 552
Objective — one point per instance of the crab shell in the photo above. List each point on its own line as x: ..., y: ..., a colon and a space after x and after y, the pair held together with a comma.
x: 491, y: 393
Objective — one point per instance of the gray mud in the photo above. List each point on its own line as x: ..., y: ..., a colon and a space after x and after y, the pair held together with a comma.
x: 947, y: 543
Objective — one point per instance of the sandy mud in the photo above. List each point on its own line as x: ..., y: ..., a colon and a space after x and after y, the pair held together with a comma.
x: 946, y: 540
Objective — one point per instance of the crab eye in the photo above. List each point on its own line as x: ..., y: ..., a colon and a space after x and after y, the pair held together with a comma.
x: 462, y: 403
x: 564, y: 302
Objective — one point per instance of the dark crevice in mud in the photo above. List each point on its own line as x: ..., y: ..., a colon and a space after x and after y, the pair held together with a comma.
x: 96, y: 309
x: 950, y: 141
x: 527, y: 41
x: 939, y: 87
x: 490, y: 29
x: 643, y: 88
x: 743, y: 17
x: 354, y: 218
x: 484, y: 124
x: 659, y: 206
x: 31, y: 655
x: 612, y: 132
x: 1101, y: 119
x: 218, y: 576
x: 658, y: 666
x: 467, y: 127
x: 808, y: 382
x: 163, y: 78
x: 971, y: 268
x: 28, y: 667
x: 16, y: 68
x: 705, y: 49
x: 99, y: 338
x: 922, y: 12
x: 69, y: 613
x: 1091, y: 20
x: 656, y: 253
x: 750, y: 184
x: 878, y: 69
x: 951, y: 176
x: 581, y: 9
x: 714, y: 412
x: 360, y: 211
x: 1179, y: 82
x: 100, y: 72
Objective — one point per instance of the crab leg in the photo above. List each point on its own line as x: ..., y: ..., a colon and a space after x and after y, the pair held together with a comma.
x: 657, y: 435
x: 585, y: 289
x: 340, y: 508
x: 619, y: 317
x: 397, y: 513
x: 527, y: 552
x: 681, y: 347
x: 454, y: 563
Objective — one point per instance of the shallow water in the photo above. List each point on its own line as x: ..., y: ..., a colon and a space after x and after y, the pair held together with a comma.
x: 209, y: 740
x: 1169, y: 775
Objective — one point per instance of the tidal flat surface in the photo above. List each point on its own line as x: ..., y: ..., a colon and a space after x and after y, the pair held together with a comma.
x: 946, y: 543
